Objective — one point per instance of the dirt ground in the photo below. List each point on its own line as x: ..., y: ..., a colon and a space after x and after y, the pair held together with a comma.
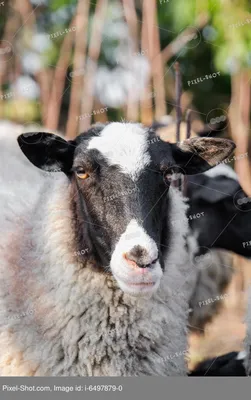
x: 227, y: 330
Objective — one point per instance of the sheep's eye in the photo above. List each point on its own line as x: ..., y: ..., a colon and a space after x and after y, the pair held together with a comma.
x: 82, y: 174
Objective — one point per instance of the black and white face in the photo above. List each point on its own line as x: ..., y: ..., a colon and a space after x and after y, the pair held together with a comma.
x: 120, y: 174
x: 226, y: 211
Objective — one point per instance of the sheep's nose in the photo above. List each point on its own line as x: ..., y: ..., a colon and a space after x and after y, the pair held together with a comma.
x: 138, y: 256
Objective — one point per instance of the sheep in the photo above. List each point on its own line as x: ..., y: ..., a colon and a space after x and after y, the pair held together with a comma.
x: 215, y: 196
x: 247, y: 362
x: 218, y: 221
x: 233, y: 363
x: 214, y: 271
x: 111, y: 310
x: 230, y: 364
x: 226, y: 219
x: 205, y: 203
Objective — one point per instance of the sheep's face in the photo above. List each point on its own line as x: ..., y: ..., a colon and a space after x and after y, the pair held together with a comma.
x: 120, y: 176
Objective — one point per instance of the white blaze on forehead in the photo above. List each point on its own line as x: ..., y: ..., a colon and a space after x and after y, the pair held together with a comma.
x: 124, y: 145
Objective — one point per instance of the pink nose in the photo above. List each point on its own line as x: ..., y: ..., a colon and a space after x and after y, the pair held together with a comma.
x: 139, y: 257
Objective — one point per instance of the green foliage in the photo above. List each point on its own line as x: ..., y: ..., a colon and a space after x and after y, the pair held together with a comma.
x: 57, y: 4
x: 230, y: 20
x: 224, y: 45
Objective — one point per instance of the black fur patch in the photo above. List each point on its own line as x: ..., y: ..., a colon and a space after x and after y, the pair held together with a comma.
x: 223, y: 225
x: 47, y: 151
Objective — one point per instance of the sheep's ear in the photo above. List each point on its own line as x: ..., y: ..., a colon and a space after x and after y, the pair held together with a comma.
x: 197, y: 155
x: 47, y: 151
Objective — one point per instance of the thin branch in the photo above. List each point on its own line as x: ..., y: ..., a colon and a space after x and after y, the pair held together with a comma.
x: 92, y: 65
x: 158, y: 71
x: 178, y: 90
x: 102, y: 115
x: 132, y: 21
x: 182, y: 39
x: 43, y: 79
x: 27, y: 13
x: 132, y: 110
x: 188, y: 121
x: 188, y: 135
x: 11, y: 26
x: 78, y: 64
x: 146, y: 99
x: 239, y: 122
x: 55, y: 100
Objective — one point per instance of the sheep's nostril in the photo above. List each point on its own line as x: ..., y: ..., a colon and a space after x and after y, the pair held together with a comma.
x: 129, y: 261
x: 148, y: 265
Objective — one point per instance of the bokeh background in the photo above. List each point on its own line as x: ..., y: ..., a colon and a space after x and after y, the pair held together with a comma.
x: 65, y: 64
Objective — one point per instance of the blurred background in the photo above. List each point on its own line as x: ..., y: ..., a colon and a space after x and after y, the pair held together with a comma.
x: 65, y: 64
